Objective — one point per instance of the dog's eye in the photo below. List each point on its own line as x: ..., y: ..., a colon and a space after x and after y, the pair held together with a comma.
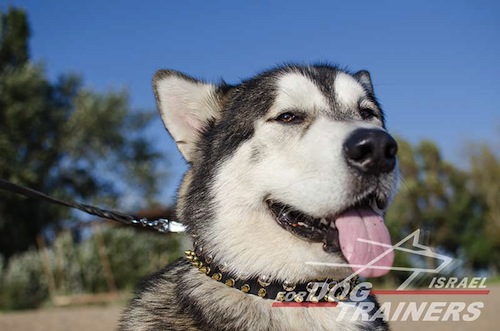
x: 289, y: 117
x: 366, y: 113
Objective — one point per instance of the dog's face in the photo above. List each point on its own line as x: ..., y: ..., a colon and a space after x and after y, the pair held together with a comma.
x: 288, y: 168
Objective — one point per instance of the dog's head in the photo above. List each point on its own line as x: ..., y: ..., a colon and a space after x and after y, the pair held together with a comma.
x: 290, y: 167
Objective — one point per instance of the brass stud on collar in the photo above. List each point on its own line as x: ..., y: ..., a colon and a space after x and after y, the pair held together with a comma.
x: 245, y: 288
x: 191, y: 256
x: 189, y: 253
x: 328, y: 298
x: 288, y: 286
x: 264, y: 280
x: 202, y: 263
x: 230, y: 282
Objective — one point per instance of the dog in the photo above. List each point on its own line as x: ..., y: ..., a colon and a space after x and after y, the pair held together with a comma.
x: 288, y: 169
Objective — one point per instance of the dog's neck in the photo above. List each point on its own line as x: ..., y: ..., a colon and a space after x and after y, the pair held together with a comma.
x: 313, y: 291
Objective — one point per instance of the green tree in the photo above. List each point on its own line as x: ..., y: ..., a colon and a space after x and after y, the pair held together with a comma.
x: 437, y: 198
x: 65, y: 140
x: 485, y: 176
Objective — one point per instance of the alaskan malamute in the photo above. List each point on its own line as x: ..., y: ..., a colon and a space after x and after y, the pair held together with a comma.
x: 290, y: 174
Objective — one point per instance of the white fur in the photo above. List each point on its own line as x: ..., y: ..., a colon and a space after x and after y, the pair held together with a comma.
x: 348, y: 91
x: 296, y: 91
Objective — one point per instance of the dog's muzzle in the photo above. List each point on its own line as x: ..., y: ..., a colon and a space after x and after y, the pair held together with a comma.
x: 358, y: 231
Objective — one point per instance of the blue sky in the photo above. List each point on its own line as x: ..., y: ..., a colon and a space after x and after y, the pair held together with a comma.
x: 434, y: 63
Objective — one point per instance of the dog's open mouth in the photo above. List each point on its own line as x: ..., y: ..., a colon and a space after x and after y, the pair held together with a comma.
x: 358, y: 232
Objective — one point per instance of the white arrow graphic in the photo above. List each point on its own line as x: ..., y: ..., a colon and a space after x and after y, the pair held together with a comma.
x: 419, y: 249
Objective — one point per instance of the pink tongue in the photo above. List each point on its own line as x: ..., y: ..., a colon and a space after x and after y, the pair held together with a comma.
x: 365, y: 224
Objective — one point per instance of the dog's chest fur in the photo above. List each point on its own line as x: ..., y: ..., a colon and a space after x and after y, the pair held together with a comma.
x: 181, y: 298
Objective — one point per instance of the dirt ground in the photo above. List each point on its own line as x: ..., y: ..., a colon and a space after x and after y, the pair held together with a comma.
x: 93, y: 318
x: 105, y: 318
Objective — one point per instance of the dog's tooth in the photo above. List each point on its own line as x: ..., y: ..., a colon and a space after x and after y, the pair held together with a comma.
x: 324, y: 221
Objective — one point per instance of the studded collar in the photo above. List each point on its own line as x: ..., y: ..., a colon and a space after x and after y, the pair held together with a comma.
x: 314, y: 291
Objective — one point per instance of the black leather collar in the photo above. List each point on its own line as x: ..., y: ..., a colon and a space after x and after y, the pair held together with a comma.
x: 320, y: 290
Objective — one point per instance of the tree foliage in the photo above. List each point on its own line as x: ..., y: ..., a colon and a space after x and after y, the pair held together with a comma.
x: 454, y: 208
x: 63, y: 139
x: 485, y: 176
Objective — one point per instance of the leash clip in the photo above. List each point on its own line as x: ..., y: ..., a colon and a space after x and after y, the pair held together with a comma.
x: 162, y: 225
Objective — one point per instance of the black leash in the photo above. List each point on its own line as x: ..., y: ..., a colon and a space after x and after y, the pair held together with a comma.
x: 162, y: 225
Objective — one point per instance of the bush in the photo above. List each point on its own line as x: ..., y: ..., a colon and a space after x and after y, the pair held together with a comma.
x: 134, y: 255
x: 77, y: 268
x: 23, y: 284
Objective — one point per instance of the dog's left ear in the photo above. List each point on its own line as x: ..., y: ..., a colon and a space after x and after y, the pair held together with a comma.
x: 364, y: 77
x: 187, y: 106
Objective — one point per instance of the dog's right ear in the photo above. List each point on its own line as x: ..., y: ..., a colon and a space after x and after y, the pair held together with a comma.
x: 187, y: 106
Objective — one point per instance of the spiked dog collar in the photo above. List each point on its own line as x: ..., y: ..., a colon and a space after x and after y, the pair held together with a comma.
x: 321, y: 290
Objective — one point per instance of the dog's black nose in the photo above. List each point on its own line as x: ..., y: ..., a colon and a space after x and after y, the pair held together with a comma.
x: 371, y: 151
